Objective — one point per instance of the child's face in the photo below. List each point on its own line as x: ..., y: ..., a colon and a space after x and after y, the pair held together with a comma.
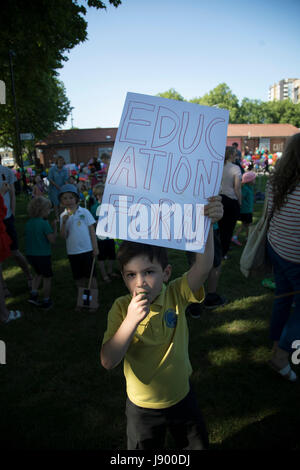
x: 68, y: 200
x: 142, y: 275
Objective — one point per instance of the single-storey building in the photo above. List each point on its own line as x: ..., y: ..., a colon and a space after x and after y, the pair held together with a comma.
x: 262, y: 136
x: 80, y: 145
x: 76, y: 145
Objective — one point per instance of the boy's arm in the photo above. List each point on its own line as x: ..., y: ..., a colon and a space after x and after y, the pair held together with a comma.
x: 198, y: 273
x: 114, y: 350
x: 52, y: 236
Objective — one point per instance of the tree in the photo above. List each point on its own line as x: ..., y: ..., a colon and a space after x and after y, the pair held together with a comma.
x: 171, y: 94
x: 249, y: 111
x: 38, y: 34
x: 252, y: 112
x: 222, y: 97
x: 283, y: 112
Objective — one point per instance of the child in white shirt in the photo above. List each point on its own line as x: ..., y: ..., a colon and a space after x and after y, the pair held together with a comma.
x: 77, y: 228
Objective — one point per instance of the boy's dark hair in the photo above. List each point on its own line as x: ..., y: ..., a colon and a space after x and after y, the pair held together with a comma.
x: 129, y: 250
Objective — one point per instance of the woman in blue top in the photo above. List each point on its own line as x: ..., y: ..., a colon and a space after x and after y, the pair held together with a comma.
x: 57, y: 176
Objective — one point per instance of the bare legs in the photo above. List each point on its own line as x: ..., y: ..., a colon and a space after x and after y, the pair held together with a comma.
x: 213, y: 279
x: 104, y: 274
x: 36, y: 282
x: 21, y: 261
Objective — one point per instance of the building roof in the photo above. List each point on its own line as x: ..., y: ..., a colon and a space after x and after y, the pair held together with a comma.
x: 261, y: 130
x: 80, y: 136
x: 108, y: 134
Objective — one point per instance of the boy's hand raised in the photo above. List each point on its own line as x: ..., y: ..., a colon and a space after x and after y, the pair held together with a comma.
x: 214, y: 209
x: 138, y: 308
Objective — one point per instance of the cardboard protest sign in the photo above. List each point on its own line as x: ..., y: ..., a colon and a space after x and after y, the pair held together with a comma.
x: 167, y: 160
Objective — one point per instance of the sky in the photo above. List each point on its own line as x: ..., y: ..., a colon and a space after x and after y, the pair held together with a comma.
x: 150, y: 46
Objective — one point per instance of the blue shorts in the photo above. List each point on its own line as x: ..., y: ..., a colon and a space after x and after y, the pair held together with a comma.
x: 41, y: 264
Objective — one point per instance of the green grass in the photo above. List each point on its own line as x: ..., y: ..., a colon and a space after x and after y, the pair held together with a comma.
x: 54, y: 394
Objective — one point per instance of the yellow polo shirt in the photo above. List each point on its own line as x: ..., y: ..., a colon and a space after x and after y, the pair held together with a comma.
x: 156, y: 365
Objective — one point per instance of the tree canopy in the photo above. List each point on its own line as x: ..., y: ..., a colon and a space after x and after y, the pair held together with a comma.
x: 37, y: 36
x: 248, y: 111
x: 171, y: 94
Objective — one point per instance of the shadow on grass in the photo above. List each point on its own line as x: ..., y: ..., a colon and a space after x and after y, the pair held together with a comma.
x: 229, y: 350
x: 276, y: 432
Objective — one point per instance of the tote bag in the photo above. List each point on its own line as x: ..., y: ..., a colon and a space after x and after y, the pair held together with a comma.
x: 254, y: 259
x: 87, y: 297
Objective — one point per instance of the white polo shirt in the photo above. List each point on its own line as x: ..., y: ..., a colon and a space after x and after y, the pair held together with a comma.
x: 77, y: 227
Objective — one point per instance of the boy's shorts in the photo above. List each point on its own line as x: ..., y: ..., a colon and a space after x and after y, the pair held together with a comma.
x: 106, y: 249
x: 41, y: 264
x: 146, y: 427
x: 246, y: 218
x: 12, y: 233
x: 81, y: 265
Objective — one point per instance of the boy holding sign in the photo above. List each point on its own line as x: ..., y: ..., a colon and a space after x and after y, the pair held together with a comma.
x: 148, y: 329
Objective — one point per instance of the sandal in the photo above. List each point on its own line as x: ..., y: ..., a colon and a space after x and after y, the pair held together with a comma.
x: 13, y: 315
x: 286, y: 372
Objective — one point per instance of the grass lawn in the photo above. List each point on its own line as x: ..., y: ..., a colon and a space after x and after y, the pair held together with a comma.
x: 54, y: 394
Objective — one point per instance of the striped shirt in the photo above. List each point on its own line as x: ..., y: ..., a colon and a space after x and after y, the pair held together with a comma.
x: 284, y: 230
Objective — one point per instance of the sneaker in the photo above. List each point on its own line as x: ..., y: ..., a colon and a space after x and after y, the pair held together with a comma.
x: 213, y: 301
x: 194, y: 310
x: 33, y: 299
x: 46, y: 304
x: 236, y: 241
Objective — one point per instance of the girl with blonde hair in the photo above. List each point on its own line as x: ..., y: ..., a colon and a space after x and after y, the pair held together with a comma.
x: 39, y: 235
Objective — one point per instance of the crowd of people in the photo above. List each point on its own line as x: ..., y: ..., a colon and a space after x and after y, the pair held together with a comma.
x: 75, y: 194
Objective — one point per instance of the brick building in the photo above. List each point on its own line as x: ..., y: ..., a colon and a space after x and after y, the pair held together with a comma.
x: 80, y: 145
x: 269, y: 136
x: 76, y: 145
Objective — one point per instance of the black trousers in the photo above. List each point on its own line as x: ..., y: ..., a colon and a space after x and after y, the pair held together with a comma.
x: 228, y: 221
x: 146, y: 427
